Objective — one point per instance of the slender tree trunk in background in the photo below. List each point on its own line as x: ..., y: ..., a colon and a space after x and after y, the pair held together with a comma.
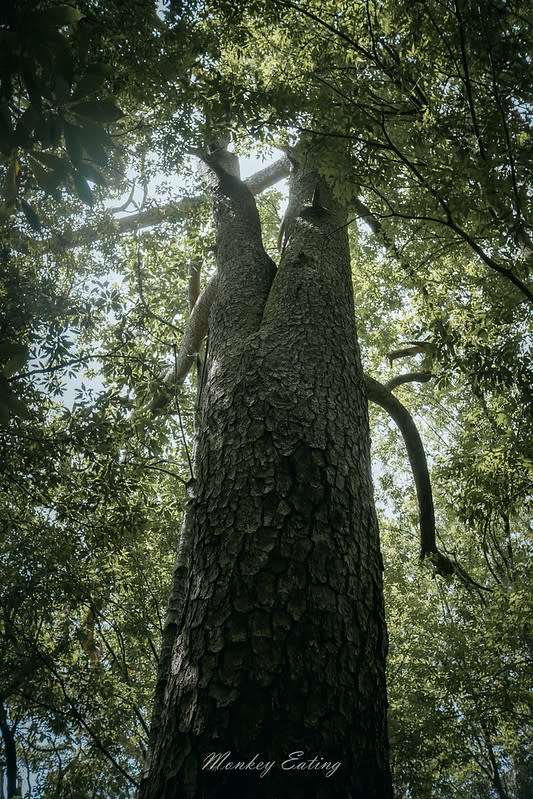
x: 281, y: 644
x: 10, y: 753
x: 523, y: 769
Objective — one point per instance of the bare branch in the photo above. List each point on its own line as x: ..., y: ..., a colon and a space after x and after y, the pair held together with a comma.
x: 409, y: 377
x: 412, y: 349
x: 257, y: 183
x: 121, y: 208
x: 151, y: 217
x: 443, y: 565
x: 270, y: 175
x: 383, y: 397
x: 193, y: 286
x: 194, y: 334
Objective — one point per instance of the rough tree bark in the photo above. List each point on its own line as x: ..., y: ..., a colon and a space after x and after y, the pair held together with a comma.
x: 278, y: 644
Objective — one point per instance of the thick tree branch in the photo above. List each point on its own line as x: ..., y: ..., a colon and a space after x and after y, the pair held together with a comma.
x: 377, y: 393
x: 257, y: 183
x: 383, y: 397
x: 270, y: 175
x: 409, y: 377
x: 412, y: 348
x: 151, y: 217
x: 193, y: 287
x: 199, y: 320
x: 194, y: 334
x: 443, y: 565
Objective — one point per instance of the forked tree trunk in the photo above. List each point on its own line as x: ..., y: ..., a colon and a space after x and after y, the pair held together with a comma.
x: 281, y: 644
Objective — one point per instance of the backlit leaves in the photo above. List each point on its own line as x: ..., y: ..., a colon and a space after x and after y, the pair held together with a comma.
x: 54, y: 120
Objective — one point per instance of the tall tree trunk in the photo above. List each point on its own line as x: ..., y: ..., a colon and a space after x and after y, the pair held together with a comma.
x: 279, y: 654
x: 10, y: 752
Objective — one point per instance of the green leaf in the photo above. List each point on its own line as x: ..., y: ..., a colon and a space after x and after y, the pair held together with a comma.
x: 10, y: 350
x: 91, y: 174
x: 31, y: 82
x: 6, y: 128
x: 95, y: 143
x: 62, y: 89
x: 31, y: 215
x: 17, y: 407
x: 11, y: 181
x: 82, y: 188
x: 5, y: 211
x: 49, y: 159
x: 48, y: 132
x: 73, y: 142
x: 9, y: 403
x: 63, y: 58
x: 47, y: 180
x: 41, y: 175
x: 16, y: 363
x: 99, y: 111
x: 58, y: 16
x: 26, y: 125
x: 88, y: 84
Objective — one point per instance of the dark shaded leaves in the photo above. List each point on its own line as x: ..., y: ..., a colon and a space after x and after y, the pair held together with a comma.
x: 99, y: 111
x: 31, y: 215
x: 82, y: 188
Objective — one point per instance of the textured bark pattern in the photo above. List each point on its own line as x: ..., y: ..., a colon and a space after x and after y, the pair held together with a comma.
x: 281, y: 647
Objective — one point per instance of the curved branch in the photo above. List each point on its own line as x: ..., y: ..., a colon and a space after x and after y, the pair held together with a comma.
x: 383, y: 397
x: 119, y: 209
x: 443, y: 565
x: 409, y: 377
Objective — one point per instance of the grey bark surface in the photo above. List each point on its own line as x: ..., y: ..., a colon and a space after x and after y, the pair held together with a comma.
x: 280, y: 643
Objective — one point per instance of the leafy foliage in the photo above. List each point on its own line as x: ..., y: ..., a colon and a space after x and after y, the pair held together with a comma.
x: 419, y: 115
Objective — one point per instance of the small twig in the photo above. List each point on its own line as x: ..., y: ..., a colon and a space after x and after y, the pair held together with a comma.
x: 164, y: 471
x: 120, y: 208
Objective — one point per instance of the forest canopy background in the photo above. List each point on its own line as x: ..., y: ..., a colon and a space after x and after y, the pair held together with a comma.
x: 419, y: 116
